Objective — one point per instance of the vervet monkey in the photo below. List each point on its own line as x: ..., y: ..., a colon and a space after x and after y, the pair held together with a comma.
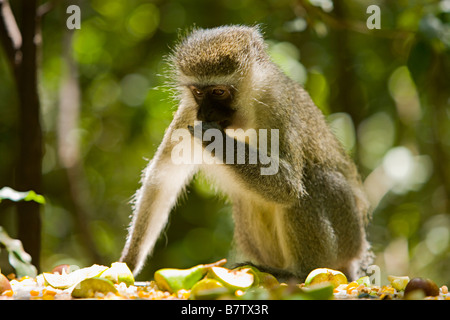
x: 311, y: 213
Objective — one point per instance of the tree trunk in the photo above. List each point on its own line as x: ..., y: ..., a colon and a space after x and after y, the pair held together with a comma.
x: 28, y: 171
x: 348, y: 96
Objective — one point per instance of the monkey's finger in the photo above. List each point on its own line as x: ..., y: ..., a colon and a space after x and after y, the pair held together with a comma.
x: 195, y: 132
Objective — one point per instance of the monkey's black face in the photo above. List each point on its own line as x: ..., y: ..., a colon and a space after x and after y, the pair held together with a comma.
x: 214, y: 104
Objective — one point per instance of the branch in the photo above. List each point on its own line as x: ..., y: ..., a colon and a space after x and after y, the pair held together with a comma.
x: 45, y: 8
x: 10, y: 36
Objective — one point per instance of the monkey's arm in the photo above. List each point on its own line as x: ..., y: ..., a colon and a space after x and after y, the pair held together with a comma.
x: 277, y: 187
x: 162, y: 183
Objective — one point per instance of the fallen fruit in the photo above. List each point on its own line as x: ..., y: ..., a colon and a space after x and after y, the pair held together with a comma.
x: 4, y: 284
x: 364, y: 281
x: 119, y: 272
x: 64, y: 281
x: 267, y: 280
x: 207, y: 289
x: 263, y: 279
x: 88, y: 287
x: 232, y: 279
x: 319, y: 291
x: 428, y: 287
x: 62, y: 268
x: 173, y: 280
x: 250, y: 269
x: 351, y: 287
x: 398, y: 283
x: 326, y: 275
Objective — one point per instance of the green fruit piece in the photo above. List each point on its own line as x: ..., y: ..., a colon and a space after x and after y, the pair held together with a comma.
x: 208, y: 289
x: 64, y: 281
x: 252, y: 270
x: 57, y: 280
x: 232, y: 279
x: 364, y: 280
x: 119, y: 272
x: 88, y: 287
x: 263, y: 279
x: 320, y: 275
x: 267, y: 280
x: 4, y: 284
x: 248, y: 267
x: 319, y: 291
x: 173, y: 280
x: 398, y: 283
x: 255, y: 293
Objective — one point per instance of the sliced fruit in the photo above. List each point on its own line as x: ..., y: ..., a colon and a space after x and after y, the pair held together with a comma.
x: 4, y: 284
x: 398, y: 283
x: 88, y: 287
x: 364, y: 280
x: 92, y: 271
x: 232, y: 279
x: 319, y: 291
x: 250, y: 269
x: 263, y: 279
x: 119, y: 272
x: 267, y: 280
x: 326, y: 275
x: 173, y: 280
x: 64, y: 281
x: 208, y: 289
x: 57, y: 280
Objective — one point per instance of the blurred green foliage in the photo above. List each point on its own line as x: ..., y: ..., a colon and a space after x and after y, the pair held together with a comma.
x: 17, y: 257
x: 386, y: 93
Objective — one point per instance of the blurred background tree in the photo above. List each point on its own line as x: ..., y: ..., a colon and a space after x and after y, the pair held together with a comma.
x: 104, y: 109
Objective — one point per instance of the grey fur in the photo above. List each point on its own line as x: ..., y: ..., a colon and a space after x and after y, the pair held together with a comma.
x: 312, y: 213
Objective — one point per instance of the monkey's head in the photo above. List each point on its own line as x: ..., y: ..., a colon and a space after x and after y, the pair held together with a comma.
x: 211, y: 66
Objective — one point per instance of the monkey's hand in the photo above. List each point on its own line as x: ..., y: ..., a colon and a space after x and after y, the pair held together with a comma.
x: 266, y: 177
x: 208, y: 133
x: 199, y: 130
x: 201, y: 127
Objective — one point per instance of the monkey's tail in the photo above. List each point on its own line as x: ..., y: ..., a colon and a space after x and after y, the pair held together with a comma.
x: 366, y: 260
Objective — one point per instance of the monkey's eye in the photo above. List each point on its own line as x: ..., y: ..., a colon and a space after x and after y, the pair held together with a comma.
x: 197, y: 92
x: 220, y: 92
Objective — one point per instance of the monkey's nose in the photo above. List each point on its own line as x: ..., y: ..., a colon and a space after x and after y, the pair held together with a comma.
x: 207, y: 114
